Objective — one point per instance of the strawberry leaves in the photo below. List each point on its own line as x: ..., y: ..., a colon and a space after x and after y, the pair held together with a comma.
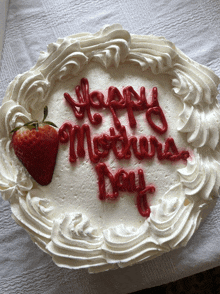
x: 45, y: 113
x: 34, y: 124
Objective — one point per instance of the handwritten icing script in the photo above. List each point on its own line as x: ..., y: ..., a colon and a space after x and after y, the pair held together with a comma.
x: 117, y: 140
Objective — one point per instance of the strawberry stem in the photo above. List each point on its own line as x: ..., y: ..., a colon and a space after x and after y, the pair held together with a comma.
x: 35, y: 124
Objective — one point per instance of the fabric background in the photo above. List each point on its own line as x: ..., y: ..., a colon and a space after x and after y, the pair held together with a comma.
x: 3, y: 16
x: 194, y: 26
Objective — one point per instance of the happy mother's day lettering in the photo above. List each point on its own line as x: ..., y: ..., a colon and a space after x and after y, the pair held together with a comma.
x: 116, y: 140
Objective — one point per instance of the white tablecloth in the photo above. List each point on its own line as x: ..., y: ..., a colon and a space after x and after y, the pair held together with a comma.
x: 194, y: 26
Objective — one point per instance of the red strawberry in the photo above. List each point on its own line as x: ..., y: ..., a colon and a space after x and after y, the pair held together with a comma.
x: 36, y: 146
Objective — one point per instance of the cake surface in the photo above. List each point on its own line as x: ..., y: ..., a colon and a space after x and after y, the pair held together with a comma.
x: 138, y: 158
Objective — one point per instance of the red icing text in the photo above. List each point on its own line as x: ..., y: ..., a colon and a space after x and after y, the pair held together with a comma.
x: 100, y: 146
x: 124, y: 181
x: 116, y: 140
x: 129, y: 100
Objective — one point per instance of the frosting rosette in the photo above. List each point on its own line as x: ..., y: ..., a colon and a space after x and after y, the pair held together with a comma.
x: 34, y: 213
x: 14, y: 180
x: 75, y: 243
x: 138, y: 159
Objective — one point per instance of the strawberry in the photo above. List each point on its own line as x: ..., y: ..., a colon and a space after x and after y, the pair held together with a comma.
x: 36, y: 146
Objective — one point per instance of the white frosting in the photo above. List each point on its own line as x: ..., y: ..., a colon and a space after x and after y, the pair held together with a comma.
x: 66, y: 219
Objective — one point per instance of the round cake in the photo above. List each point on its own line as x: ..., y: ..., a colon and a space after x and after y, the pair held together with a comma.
x: 110, y: 148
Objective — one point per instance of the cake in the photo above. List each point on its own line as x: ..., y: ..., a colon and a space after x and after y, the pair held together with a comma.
x: 137, y: 161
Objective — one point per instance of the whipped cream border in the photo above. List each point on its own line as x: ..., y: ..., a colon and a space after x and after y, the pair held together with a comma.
x: 70, y: 240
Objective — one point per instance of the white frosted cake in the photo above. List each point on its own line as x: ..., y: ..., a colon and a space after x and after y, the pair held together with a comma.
x: 136, y: 151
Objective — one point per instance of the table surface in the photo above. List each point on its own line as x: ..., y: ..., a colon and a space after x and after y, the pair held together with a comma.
x: 30, y: 25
